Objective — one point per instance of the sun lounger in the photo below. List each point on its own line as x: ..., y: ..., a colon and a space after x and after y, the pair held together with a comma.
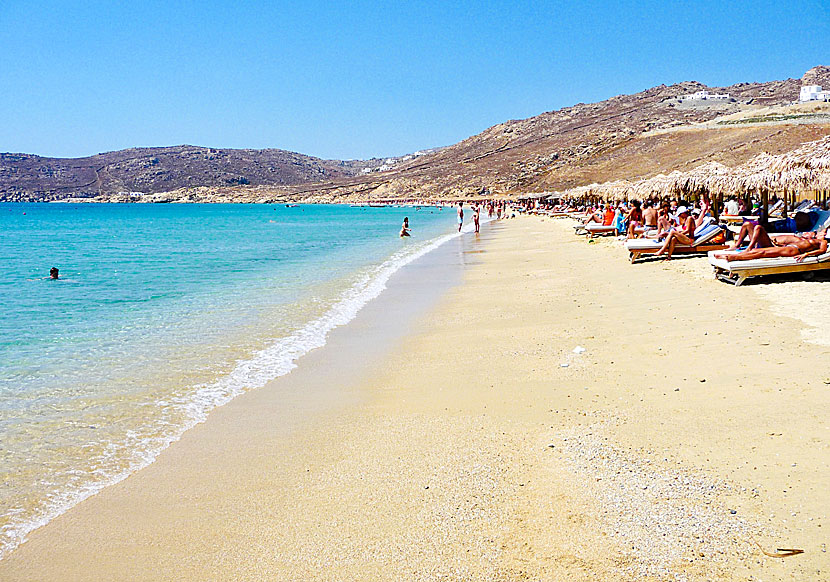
x: 775, y: 209
x: 736, y: 218
x: 595, y: 229
x: 804, y: 206
x: 737, y: 272
x: 704, y: 235
x: 822, y: 221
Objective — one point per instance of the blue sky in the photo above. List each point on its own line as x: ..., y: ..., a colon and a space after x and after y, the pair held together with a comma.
x: 361, y: 79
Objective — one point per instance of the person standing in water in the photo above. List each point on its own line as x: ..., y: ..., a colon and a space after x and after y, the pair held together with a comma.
x: 476, y: 214
x: 405, y: 227
x: 460, y: 215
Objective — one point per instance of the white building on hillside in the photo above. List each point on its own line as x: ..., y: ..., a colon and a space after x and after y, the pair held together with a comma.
x: 706, y: 96
x: 813, y: 93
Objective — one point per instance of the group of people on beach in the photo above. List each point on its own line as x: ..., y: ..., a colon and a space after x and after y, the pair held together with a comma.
x: 497, y: 208
x: 673, y: 222
x: 800, y: 244
x: 676, y: 222
x: 494, y: 208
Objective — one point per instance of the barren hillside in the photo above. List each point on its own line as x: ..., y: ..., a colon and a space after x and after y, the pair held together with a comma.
x: 623, y: 137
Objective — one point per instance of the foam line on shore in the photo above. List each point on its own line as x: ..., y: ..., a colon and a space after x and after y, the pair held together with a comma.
x: 267, y: 364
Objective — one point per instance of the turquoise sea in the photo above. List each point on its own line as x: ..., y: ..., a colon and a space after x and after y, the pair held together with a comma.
x: 162, y: 313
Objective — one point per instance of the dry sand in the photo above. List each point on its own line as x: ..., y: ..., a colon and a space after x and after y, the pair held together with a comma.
x: 694, y: 426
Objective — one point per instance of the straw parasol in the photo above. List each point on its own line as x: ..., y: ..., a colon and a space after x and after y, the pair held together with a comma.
x: 804, y: 169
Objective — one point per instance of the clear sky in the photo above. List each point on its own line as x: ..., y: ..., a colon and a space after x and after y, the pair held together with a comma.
x: 362, y: 79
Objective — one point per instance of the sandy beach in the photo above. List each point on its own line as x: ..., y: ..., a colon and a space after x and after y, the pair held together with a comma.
x: 691, y: 434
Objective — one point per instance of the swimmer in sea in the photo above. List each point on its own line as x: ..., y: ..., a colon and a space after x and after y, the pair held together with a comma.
x: 53, y: 273
x: 405, y: 227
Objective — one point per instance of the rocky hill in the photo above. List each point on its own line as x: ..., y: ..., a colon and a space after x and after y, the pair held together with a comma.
x: 557, y: 149
x: 623, y: 137
x: 149, y: 170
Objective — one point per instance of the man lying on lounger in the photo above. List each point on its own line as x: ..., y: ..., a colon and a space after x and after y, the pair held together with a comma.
x: 809, y: 244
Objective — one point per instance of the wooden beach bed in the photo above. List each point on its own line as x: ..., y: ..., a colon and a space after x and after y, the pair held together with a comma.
x: 738, y: 219
x: 736, y: 272
x: 705, y: 234
x: 596, y: 229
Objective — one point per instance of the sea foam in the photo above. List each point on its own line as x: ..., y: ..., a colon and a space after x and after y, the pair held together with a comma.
x: 277, y: 359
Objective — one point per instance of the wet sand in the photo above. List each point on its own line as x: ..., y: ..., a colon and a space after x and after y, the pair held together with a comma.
x: 692, y: 431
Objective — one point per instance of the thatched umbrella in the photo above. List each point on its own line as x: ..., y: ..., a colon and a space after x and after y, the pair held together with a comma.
x: 814, y: 155
x: 660, y: 185
x: 805, y: 169
x: 795, y: 174
x: 703, y: 178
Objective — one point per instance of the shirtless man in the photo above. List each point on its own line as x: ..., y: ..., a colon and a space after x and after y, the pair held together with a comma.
x: 649, y: 215
x: 809, y: 244
x: 460, y: 215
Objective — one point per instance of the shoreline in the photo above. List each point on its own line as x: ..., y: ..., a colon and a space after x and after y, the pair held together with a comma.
x: 468, y: 451
x: 273, y: 361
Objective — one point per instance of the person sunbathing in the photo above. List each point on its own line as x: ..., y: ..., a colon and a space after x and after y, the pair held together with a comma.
x: 665, y: 222
x: 800, y: 247
x: 686, y: 234
x: 605, y: 219
x: 760, y: 238
x: 649, y: 215
x: 634, y: 219
x: 801, y: 222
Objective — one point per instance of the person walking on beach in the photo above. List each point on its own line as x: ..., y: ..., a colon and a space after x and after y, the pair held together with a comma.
x: 405, y: 227
x: 460, y: 215
x: 476, y: 214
